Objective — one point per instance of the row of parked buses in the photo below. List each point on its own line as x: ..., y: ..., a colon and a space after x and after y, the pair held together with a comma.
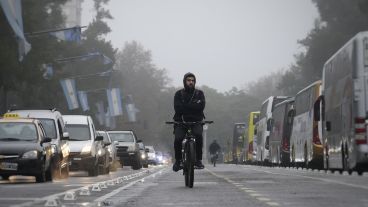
x: 324, y: 126
x: 47, y: 145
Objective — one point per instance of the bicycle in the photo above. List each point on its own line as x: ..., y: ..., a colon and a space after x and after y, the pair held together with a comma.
x: 214, y: 158
x: 188, y: 150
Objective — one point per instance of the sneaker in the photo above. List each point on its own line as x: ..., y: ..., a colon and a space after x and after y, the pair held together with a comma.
x: 199, y: 165
x: 177, y: 166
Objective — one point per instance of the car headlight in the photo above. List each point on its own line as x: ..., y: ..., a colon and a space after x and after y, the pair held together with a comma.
x: 99, y: 152
x: 86, y: 149
x: 131, y: 148
x: 143, y: 156
x: 109, y: 149
x: 30, y: 155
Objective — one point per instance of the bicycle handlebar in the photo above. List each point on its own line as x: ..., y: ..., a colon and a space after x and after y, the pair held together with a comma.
x: 189, y: 123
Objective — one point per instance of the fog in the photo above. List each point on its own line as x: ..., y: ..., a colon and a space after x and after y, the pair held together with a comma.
x: 225, y: 43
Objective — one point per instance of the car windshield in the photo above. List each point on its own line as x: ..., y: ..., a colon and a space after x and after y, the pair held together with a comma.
x: 78, y: 132
x: 50, y: 128
x: 18, y: 132
x: 121, y: 137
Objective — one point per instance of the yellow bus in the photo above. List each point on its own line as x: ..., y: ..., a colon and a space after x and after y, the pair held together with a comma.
x: 252, y: 120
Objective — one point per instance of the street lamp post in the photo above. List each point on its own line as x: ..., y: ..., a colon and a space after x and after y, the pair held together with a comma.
x: 205, y: 128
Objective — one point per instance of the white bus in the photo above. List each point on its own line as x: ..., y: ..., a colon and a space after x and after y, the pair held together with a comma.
x: 345, y: 93
x: 306, y: 148
x: 282, y: 123
x: 264, y: 127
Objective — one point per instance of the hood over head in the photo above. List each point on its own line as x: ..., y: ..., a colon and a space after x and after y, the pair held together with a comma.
x: 186, y: 76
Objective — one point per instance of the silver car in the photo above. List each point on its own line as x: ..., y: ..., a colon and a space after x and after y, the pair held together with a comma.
x: 111, y: 148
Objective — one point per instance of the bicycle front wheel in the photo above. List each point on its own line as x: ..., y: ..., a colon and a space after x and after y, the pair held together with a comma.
x: 191, y: 160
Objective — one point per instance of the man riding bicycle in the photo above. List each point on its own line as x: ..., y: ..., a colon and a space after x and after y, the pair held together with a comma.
x: 214, y: 150
x: 214, y: 147
x: 189, y: 104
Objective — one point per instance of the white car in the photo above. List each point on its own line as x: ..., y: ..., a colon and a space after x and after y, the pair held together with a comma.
x: 151, y: 155
x: 86, y: 148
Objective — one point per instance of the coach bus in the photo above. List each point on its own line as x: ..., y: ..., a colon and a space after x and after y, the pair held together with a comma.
x: 306, y: 145
x: 282, y: 123
x: 345, y: 104
x: 252, y: 120
x: 238, y: 141
x: 263, y: 128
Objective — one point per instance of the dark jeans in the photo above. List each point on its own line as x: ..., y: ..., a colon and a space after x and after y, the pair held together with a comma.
x: 180, y: 132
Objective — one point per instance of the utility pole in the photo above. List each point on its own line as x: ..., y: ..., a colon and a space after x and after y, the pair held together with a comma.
x: 204, y: 135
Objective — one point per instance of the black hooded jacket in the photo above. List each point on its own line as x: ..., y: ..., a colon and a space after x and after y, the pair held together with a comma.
x: 189, y: 104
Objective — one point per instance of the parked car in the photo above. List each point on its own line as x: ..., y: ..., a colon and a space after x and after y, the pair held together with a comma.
x: 111, y: 150
x: 54, y: 127
x: 151, y: 155
x: 127, y: 148
x: 85, y: 146
x: 144, y: 154
x: 25, y: 149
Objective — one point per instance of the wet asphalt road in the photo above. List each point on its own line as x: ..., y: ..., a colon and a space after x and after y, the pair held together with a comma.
x: 224, y: 185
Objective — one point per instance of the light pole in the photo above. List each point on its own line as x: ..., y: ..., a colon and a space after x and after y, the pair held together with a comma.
x: 204, y: 135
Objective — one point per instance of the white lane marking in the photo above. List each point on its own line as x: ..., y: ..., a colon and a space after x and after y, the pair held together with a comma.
x: 53, y: 196
x: 250, y: 191
x: 255, y: 194
x: 245, y: 188
x: 273, y: 204
x: 313, y: 178
x: 114, y: 192
x: 263, y: 199
x: 17, y: 198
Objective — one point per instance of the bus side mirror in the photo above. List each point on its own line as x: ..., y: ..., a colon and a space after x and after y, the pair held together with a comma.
x: 328, y: 126
x: 269, y: 124
x: 317, y: 111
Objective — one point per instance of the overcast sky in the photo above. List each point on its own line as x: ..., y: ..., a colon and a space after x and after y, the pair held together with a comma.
x: 225, y: 43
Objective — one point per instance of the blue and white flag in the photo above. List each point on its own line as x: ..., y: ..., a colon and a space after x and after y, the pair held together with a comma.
x: 70, y: 93
x: 70, y: 35
x: 83, y: 100
x: 106, y: 60
x: 100, y: 115
x: 13, y: 12
x: 109, y: 120
x: 131, y: 109
x: 114, y: 101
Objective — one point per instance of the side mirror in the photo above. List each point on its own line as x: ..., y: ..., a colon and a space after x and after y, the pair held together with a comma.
x: 45, y: 140
x: 65, y: 136
x: 328, y: 126
x: 116, y: 143
x: 146, y: 150
x: 139, y: 140
x: 267, y: 144
x: 99, y: 138
x: 107, y: 143
x: 269, y: 124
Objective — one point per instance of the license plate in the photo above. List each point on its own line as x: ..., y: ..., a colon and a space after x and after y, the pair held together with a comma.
x: 8, y: 166
x: 77, y: 158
